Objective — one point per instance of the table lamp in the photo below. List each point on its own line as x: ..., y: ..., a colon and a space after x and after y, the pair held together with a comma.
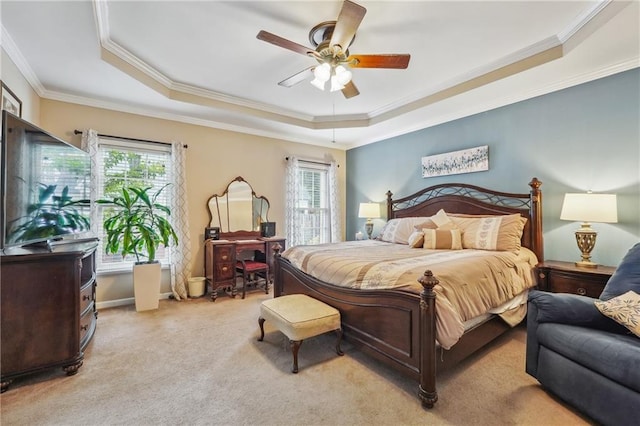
x: 369, y: 211
x: 586, y: 208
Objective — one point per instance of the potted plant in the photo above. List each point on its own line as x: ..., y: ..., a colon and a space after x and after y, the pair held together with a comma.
x: 137, y: 226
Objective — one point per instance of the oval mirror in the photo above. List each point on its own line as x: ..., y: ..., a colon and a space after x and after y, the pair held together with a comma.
x: 238, y: 208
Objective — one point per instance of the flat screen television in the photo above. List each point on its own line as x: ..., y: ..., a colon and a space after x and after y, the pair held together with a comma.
x: 44, y: 184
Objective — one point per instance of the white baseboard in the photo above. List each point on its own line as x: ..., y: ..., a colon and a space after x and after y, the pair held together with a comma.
x: 124, y: 302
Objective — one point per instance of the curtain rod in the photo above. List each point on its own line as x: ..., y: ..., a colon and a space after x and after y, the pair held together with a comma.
x: 313, y: 162
x: 79, y: 132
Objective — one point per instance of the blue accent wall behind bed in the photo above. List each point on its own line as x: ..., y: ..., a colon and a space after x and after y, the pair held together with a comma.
x: 586, y: 137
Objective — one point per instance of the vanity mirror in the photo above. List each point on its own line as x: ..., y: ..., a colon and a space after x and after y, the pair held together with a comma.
x: 238, y: 208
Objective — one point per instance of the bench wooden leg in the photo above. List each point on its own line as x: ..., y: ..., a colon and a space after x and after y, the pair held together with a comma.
x: 338, y: 350
x: 261, y: 324
x: 295, y: 346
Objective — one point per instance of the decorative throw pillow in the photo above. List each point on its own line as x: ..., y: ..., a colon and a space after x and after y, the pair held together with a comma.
x: 624, y: 309
x: 502, y: 232
x: 449, y: 239
x: 416, y: 239
x: 399, y: 230
x: 443, y: 221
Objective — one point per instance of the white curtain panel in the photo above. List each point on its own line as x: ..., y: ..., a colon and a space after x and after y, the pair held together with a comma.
x: 180, y: 254
x: 89, y: 143
x: 292, y: 230
x: 334, y: 203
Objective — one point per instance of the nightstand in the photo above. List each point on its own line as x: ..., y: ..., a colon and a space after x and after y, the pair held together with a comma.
x: 566, y: 277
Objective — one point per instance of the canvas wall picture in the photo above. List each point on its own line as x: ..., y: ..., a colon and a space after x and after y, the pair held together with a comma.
x: 456, y: 162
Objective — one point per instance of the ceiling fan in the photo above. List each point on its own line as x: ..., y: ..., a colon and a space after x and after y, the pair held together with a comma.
x: 332, y: 40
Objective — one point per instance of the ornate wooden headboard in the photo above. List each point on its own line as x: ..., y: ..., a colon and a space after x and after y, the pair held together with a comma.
x: 471, y: 199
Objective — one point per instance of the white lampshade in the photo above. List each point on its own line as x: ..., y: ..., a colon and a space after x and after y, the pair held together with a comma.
x: 369, y: 210
x: 589, y: 207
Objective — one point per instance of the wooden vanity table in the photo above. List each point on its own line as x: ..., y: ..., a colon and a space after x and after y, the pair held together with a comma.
x: 221, y: 256
x: 238, y: 213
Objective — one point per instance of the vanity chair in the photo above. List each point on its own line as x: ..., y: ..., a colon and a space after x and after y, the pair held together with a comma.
x: 237, y: 248
x: 253, y: 273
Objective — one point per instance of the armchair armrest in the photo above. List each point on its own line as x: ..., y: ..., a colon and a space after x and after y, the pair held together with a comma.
x: 561, y: 308
x: 571, y: 309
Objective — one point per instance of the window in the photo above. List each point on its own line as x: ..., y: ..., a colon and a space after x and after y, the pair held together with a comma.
x: 312, y: 208
x: 123, y: 164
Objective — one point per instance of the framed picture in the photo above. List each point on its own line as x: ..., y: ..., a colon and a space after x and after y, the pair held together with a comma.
x: 212, y: 233
x: 10, y: 101
x: 456, y: 162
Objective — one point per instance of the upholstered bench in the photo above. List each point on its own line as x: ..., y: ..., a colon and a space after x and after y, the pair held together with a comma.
x: 300, y: 317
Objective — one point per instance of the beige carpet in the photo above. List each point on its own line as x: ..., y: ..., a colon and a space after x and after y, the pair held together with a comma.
x: 197, y: 362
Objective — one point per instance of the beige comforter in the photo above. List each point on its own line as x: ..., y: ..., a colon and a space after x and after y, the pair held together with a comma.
x: 472, y: 282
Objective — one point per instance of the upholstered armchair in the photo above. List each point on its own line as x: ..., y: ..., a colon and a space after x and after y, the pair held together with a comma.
x: 587, y: 351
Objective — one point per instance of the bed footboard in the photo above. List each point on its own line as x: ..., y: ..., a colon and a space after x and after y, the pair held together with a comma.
x: 395, y: 327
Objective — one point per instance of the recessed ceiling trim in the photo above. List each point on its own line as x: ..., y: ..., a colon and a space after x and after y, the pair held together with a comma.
x: 546, y: 50
x: 152, y: 113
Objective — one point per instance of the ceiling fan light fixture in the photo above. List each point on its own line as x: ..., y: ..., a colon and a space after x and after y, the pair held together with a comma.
x: 335, y: 83
x: 343, y: 75
x: 318, y: 83
x: 322, y: 72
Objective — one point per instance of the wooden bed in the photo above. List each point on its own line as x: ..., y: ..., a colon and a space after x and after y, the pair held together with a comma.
x: 399, y: 327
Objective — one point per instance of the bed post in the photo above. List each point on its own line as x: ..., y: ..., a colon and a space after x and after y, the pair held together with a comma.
x: 536, y: 218
x: 427, y: 389
x: 277, y: 272
x: 389, y: 206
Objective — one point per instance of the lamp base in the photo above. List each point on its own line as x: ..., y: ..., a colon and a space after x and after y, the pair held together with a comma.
x: 586, y: 264
x: 586, y: 240
x: 369, y: 228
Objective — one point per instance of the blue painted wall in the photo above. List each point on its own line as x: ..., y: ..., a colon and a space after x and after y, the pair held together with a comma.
x: 582, y: 138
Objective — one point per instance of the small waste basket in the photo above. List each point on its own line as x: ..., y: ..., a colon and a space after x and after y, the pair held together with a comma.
x: 196, y: 286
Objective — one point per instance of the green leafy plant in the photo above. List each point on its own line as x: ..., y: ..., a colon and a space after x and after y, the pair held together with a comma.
x: 51, y: 215
x: 138, y: 224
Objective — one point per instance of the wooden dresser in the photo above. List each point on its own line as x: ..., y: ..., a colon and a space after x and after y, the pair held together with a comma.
x: 48, y: 308
x: 566, y: 277
x: 221, y: 255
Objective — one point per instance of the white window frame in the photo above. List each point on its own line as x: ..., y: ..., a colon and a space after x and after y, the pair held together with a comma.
x: 104, y: 143
x: 305, y: 214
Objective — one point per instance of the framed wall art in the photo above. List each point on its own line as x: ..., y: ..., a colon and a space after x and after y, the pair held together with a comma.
x: 10, y: 101
x: 456, y: 162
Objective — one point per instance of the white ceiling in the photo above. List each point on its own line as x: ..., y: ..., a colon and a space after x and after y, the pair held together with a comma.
x: 200, y: 62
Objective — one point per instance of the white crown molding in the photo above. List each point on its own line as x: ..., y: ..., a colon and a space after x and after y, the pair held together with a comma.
x: 508, y: 100
x: 16, y: 56
x: 518, y: 61
x: 152, y: 113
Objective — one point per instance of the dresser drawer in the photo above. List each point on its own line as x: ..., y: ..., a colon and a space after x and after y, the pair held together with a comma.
x: 224, y: 271
x: 86, y: 297
x: 87, y: 326
x: 565, y: 283
x: 225, y: 253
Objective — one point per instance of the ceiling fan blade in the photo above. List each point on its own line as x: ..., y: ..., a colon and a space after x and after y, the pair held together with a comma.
x: 297, y: 78
x: 347, y: 24
x: 350, y: 90
x: 400, y: 61
x: 283, y: 42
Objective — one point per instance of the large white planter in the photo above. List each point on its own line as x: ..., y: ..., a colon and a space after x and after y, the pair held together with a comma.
x: 146, y: 285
